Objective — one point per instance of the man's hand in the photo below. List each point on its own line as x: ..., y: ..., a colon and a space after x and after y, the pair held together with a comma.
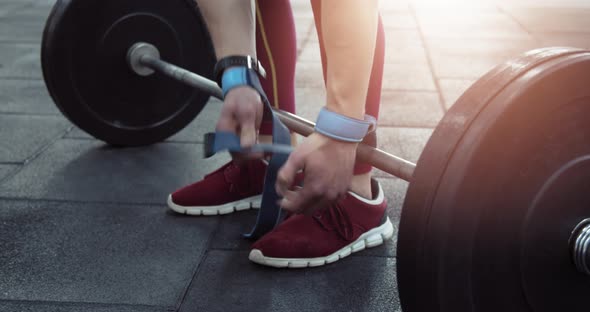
x: 327, y: 165
x: 241, y: 114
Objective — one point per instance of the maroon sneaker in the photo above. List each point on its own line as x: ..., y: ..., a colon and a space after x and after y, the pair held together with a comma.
x: 349, y: 225
x: 227, y: 189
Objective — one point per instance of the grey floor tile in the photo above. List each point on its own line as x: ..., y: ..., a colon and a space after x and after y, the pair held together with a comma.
x: 472, y: 58
x: 394, y: 6
x: 552, y: 19
x: 9, y: 7
x: 302, y: 24
x: 78, y: 133
x: 410, y: 109
x: 22, y: 136
x: 20, y: 60
x: 301, y: 9
x: 43, y: 3
x: 397, y: 38
x: 576, y: 40
x: 36, y: 10
x: 20, y: 32
x: 404, y: 46
x: 397, y: 52
x: 462, y: 66
x: 492, y: 48
x: 228, y: 235
x: 36, y: 306
x: 408, y: 76
x: 227, y: 281
x: 5, y: 170
x: 469, y: 24
x: 309, y: 101
x: 452, y: 89
x: 312, y: 34
x: 310, y: 53
x: 398, y: 19
x: 23, y: 25
x: 26, y: 96
x: 309, y: 74
x: 458, y: 7
x: 88, y: 170
x: 98, y: 253
x: 406, y: 143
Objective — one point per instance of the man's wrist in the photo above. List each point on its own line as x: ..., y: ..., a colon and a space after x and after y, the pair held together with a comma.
x: 343, y: 128
x: 344, y: 144
x: 231, y: 61
x: 238, y: 76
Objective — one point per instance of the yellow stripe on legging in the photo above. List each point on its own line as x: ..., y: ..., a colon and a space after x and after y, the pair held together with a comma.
x: 270, y: 59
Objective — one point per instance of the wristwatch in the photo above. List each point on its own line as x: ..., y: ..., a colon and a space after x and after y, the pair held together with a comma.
x: 237, y: 60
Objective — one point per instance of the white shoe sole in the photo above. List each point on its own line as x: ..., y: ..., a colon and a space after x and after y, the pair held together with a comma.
x: 372, y: 238
x: 243, y: 204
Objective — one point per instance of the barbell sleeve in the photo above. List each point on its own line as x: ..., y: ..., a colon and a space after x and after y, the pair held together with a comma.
x: 379, y: 159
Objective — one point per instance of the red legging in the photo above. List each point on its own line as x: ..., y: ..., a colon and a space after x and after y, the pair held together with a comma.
x: 276, y: 48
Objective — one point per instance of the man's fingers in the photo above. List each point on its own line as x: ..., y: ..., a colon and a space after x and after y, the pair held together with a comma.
x: 287, y: 173
x: 295, y: 201
x: 226, y: 123
x: 287, y: 201
x: 248, y: 134
x: 303, y: 201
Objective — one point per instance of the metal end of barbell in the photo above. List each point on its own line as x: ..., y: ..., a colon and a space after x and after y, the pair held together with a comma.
x: 580, y: 246
x: 135, y: 54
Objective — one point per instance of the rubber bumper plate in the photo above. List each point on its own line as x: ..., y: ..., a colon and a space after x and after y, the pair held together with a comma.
x: 84, y: 49
x: 498, y: 190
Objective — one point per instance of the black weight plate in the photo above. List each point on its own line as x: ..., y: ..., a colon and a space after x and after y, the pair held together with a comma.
x: 85, y: 43
x: 478, y: 206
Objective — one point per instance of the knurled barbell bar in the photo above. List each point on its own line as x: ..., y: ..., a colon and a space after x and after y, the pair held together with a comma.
x: 496, y: 215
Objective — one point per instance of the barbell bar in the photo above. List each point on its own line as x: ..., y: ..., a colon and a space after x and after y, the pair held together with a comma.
x: 144, y: 59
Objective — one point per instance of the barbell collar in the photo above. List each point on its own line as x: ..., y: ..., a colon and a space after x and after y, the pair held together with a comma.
x: 135, y: 55
x: 143, y: 57
x: 580, y: 246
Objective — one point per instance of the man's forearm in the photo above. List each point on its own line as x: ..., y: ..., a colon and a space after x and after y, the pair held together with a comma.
x: 349, y: 30
x: 231, y: 24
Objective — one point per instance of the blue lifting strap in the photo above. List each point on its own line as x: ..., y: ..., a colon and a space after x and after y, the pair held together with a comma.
x: 269, y: 214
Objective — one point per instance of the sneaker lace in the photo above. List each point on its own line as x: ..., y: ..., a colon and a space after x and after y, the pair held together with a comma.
x: 232, y: 176
x: 335, y: 218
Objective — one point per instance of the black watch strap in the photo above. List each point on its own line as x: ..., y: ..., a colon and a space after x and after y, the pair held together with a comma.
x: 237, y: 60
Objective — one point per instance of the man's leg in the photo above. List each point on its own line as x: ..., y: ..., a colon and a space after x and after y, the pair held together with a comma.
x: 276, y: 48
x: 361, y: 181
x: 353, y: 223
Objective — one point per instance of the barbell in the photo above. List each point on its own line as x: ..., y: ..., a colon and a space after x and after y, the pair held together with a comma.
x: 497, y: 213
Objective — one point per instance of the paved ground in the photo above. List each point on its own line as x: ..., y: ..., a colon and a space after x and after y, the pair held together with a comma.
x: 83, y: 226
